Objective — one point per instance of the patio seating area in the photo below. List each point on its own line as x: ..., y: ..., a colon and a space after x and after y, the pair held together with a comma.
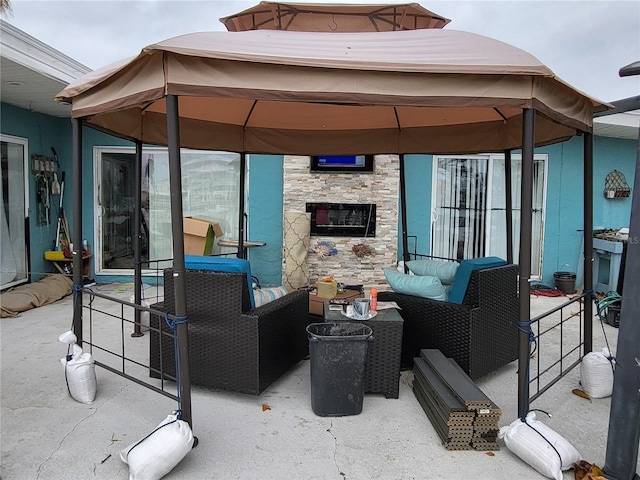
x: 479, y: 333
x: 48, y: 435
x: 232, y: 346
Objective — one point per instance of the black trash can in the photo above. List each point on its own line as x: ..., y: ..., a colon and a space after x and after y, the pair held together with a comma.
x: 338, y: 358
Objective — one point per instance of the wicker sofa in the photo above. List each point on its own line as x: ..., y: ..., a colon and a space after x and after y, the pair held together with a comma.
x: 232, y: 346
x: 480, y: 333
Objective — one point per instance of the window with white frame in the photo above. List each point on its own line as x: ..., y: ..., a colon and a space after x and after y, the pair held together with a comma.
x: 210, y: 190
x: 469, y: 207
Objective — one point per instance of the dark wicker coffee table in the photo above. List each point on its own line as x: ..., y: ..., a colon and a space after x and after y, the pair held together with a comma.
x: 383, y: 358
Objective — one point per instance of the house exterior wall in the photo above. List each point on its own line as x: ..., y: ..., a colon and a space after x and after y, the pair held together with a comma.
x: 563, y: 218
x: 564, y: 208
x: 42, y: 133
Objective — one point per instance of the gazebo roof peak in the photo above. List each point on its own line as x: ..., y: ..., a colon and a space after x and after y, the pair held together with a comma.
x: 328, y: 17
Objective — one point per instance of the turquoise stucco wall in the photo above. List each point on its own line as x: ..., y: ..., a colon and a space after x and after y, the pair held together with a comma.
x: 563, y: 220
x: 565, y: 192
x: 42, y: 132
x: 564, y: 208
x: 265, y: 217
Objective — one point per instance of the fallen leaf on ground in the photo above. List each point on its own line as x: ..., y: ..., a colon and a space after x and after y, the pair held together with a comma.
x: 491, y: 454
x: 587, y: 471
x: 581, y: 393
x: 265, y: 407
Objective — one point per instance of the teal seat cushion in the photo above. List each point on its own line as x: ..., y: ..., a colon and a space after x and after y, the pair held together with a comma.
x: 444, y: 270
x: 221, y: 264
x: 463, y: 275
x: 426, y: 286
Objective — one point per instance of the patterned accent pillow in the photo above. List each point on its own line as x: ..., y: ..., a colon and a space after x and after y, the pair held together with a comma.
x: 266, y: 295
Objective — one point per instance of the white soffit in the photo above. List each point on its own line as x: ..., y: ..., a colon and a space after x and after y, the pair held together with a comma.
x: 32, y: 73
x: 619, y: 125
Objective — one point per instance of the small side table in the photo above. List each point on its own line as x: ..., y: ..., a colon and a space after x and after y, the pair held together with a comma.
x: 383, y: 358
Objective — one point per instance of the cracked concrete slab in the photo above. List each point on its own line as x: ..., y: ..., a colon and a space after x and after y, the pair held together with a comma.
x: 46, y: 435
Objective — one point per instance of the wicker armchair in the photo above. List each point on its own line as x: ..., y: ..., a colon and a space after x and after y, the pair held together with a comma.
x: 480, y: 334
x: 232, y: 346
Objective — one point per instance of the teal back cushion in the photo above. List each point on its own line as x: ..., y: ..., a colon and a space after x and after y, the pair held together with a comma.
x: 221, y: 264
x: 426, y: 286
x: 463, y: 275
x: 444, y: 270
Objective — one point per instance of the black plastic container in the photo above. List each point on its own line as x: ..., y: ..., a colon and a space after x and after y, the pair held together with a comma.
x: 565, y: 281
x: 338, y: 358
x: 613, y: 315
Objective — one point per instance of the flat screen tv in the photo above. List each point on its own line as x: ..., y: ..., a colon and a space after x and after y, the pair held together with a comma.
x: 342, y: 163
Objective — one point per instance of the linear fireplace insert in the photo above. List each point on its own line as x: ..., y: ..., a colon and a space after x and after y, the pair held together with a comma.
x: 343, y: 219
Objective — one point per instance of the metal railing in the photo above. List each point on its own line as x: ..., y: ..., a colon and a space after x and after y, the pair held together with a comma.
x: 108, y: 322
x: 559, y: 339
x: 558, y: 346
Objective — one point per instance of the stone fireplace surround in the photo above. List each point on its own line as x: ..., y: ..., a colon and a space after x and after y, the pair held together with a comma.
x: 380, y: 187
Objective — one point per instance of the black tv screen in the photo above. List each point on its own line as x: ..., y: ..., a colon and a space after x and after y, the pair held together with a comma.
x: 342, y: 163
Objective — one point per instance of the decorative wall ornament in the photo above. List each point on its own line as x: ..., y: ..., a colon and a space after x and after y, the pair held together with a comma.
x: 616, y: 186
x: 324, y: 249
x: 361, y: 250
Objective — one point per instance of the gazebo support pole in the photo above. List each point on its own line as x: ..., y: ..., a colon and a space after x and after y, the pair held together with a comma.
x: 508, y: 205
x: 403, y: 211
x: 624, y: 419
x: 241, y: 212
x: 588, y: 240
x: 137, y: 265
x: 528, y: 126
x: 76, y: 133
x: 177, y: 231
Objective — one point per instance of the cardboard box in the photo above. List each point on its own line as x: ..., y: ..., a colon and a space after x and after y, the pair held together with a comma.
x: 316, y: 303
x: 199, y: 235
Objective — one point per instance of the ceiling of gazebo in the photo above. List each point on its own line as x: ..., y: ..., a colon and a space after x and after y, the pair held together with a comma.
x: 419, y: 91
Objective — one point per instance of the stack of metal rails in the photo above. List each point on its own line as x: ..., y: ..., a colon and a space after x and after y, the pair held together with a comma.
x: 464, y: 417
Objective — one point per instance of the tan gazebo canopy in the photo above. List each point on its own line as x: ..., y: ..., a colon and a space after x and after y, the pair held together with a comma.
x: 415, y: 91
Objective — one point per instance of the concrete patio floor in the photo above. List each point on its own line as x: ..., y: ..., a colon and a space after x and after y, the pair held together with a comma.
x: 46, y: 435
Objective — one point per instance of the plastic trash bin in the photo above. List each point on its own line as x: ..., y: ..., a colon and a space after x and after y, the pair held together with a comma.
x: 338, y: 359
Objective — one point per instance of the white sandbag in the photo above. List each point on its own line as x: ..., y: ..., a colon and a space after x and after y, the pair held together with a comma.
x: 527, y: 441
x: 596, y: 373
x: 156, y: 454
x: 144, y: 316
x: 79, y: 371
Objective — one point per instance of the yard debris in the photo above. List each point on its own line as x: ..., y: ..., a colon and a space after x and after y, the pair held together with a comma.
x: 265, y: 407
x: 581, y: 393
x: 587, y: 471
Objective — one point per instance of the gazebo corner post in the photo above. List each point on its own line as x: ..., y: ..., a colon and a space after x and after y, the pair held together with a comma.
x: 623, y: 438
x: 76, y: 135
x: 137, y: 218
x: 181, y: 325
x: 403, y: 211
x: 588, y: 241
x: 508, y: 204
x: 241, y: 206
x: 524, y: 323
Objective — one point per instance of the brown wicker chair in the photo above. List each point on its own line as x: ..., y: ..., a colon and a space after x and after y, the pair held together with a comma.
x: 480, y: 334
x: 232, y: 346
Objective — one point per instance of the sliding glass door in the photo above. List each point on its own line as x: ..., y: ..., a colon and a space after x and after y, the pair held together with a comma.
x: 469, y: 207
x: 14, y: 211
x: 210, y: 190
